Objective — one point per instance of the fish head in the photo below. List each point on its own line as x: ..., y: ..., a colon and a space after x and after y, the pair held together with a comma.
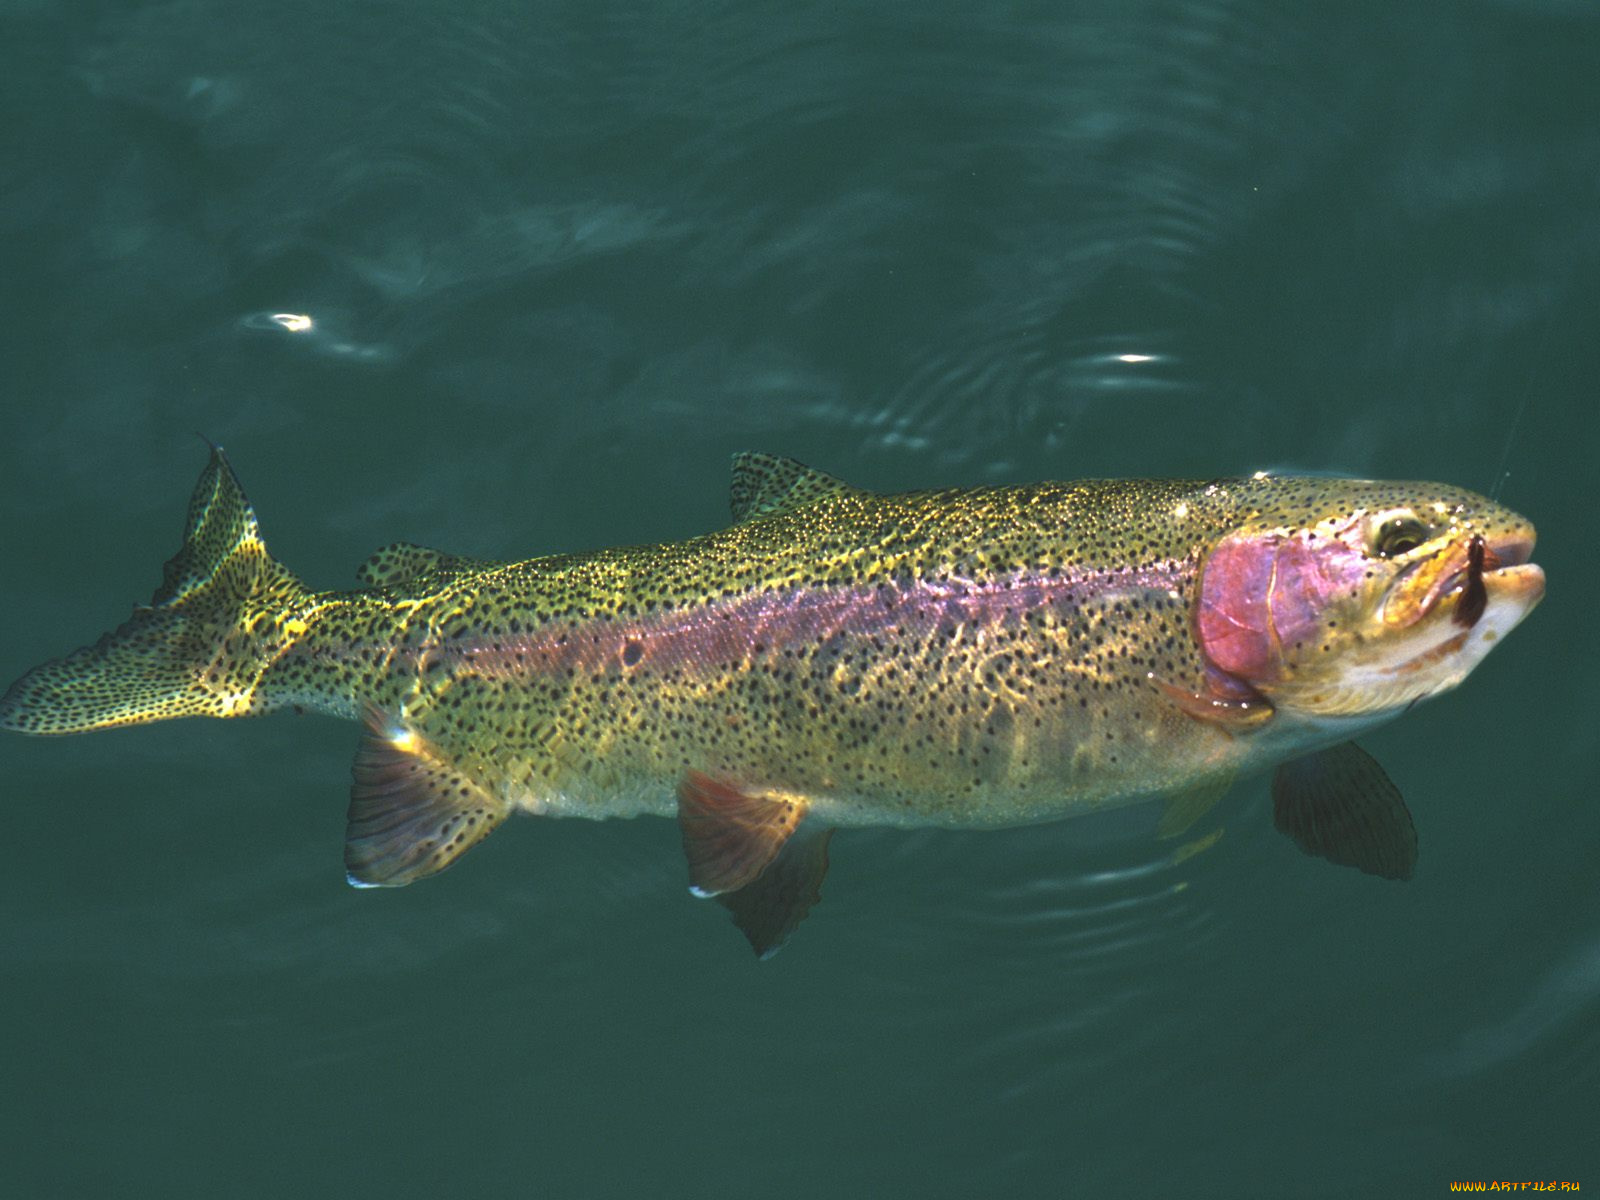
x: 1354, y: 598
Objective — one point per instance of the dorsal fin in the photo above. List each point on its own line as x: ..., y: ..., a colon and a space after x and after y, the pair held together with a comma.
x: 765, y: 484
x: 401, y: 563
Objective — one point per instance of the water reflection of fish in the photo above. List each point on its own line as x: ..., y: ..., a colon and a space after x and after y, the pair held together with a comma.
x: 966, y: 658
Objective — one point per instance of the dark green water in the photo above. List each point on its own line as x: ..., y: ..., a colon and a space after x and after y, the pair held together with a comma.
x: 563, y: 259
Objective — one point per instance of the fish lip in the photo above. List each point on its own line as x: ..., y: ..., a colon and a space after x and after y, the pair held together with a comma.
x: 1512, y: 578
x: 1524, y: 577
x: 1502, y: 558
x: 1505, y: 567
x: 1510, y: 552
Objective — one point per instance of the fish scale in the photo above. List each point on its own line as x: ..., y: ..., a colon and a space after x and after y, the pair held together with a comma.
x: 965, y: 658
x: 769, y: 653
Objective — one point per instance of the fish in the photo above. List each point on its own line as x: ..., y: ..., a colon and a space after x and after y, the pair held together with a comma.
x: 966, y: 658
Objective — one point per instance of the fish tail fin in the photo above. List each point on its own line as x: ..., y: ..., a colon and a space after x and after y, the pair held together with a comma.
x: 223, y: 614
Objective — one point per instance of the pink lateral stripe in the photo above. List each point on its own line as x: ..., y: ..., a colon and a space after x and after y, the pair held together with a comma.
x: 728, y: 630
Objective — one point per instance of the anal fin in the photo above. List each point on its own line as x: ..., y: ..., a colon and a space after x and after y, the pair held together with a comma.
x: 412, y: 811
x: 1339, y: 805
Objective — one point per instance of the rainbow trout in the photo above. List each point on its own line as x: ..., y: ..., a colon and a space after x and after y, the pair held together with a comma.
x: 967, y: 658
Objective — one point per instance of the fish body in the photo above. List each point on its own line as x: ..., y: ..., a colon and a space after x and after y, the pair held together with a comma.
x: 963, y: 658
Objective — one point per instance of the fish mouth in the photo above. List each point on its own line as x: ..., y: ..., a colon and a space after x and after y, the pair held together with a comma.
x: 1455, y: 604
x: 1462, y: 578
x: 1502, y: 567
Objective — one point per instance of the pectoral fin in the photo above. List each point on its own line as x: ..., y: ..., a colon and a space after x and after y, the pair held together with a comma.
x: 1185, y: 808
x: 1199, y: 846
x: 412, y: 811
x: 1339, y: 805
x: 1223, y: 701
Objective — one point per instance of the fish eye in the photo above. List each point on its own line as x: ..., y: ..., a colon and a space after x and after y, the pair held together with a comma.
x: 1399, y: 533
